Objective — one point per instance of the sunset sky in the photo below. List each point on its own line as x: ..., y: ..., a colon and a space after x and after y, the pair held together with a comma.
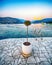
x: 26, y: 9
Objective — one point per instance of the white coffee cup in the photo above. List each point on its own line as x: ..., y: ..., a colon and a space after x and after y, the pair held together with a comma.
x: 26, y: 49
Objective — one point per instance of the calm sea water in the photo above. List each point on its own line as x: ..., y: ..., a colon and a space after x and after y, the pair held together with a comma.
x: 20, y: 31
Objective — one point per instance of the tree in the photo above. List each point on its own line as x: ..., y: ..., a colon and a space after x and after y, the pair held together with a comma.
x: 27, y: 23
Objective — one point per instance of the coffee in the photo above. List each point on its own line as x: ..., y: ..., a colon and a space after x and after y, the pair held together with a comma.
x: 26, y: 43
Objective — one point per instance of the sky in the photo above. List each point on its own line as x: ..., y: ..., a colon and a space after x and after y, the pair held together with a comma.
x: 26, y: 9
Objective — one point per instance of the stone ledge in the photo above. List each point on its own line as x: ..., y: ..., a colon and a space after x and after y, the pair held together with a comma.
x: 10, y: 52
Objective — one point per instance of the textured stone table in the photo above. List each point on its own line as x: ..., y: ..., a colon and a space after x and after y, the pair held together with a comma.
x: 10, y: 52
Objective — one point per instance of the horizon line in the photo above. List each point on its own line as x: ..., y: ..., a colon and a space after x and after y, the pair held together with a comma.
x: 23, y: 18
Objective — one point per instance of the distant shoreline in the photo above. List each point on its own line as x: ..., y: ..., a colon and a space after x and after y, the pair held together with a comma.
x: 10, y: 20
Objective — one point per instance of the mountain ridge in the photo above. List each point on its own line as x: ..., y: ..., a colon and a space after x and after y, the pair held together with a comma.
x: 46, y: 20
x: 10, y: 20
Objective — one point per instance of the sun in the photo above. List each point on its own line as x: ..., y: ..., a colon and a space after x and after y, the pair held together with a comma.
x: 38, y: 18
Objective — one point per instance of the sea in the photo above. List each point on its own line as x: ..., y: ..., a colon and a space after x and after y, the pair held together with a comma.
x: 20, y: 31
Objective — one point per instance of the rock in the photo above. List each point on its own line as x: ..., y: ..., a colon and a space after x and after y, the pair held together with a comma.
x: 16, y: 54
x: 16, y: 62
x: 23, y: 61
x: 43, y: 59
x: 37, y: 59
x: 21, y: 57
x: 19, y: 61
x: 10, y: 52
x: 45, y: 63
x: 31, y: 64
x: 31, y: 60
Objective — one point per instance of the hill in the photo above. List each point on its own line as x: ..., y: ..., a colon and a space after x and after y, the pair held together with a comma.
x: 10, y: 20
x: 46, y: 20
